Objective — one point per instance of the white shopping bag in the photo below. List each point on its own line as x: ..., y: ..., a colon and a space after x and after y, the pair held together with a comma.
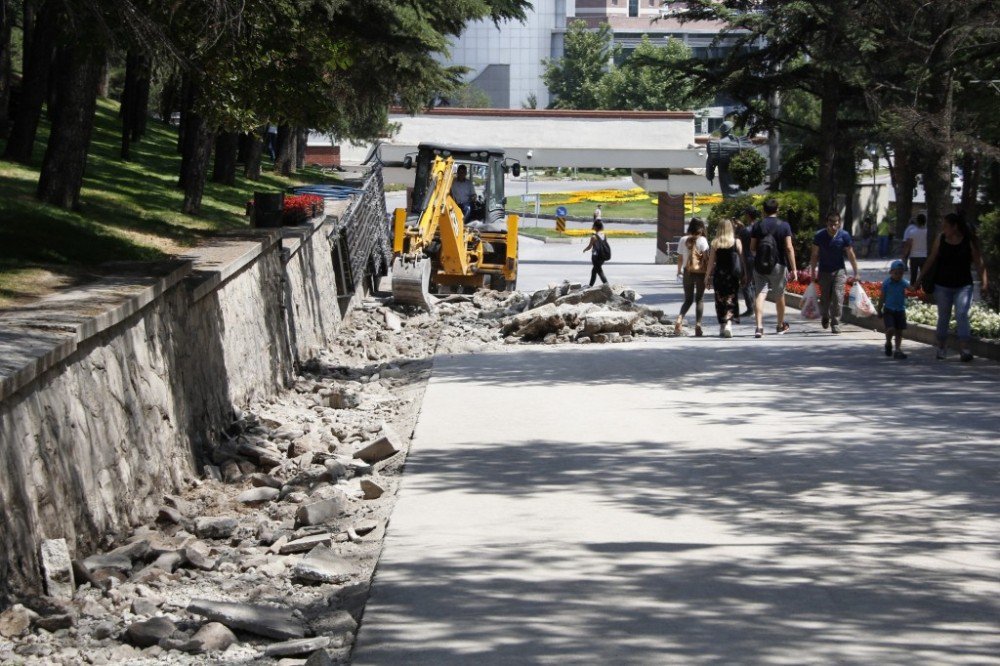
x: 810, y: 302
x: 860, y: 304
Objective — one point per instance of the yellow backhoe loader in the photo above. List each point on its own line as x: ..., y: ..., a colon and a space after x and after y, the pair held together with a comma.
x: 439, y: 249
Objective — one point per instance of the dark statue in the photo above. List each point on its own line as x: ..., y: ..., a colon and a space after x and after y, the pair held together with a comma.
x: 720, y: 151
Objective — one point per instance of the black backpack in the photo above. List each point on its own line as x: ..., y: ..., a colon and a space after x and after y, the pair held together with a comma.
x: 603, y: 249
x: 767, y: 251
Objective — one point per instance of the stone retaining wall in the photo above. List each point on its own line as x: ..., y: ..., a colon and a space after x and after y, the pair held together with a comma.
x: 110, y: 393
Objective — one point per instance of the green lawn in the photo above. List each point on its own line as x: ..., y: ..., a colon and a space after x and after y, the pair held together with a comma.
x: 130, y: 210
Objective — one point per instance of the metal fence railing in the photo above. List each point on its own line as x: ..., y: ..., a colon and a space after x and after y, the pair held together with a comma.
x: 361, y: 236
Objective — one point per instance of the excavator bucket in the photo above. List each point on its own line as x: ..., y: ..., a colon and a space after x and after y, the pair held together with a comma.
x: 411, y: 282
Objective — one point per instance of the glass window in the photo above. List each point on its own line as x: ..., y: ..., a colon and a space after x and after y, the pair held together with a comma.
x: 633, y: 7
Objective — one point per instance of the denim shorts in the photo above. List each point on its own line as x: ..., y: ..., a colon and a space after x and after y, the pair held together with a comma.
x: 894, y: 319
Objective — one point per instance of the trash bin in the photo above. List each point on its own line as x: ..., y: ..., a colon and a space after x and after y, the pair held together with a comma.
x: 268, y: 208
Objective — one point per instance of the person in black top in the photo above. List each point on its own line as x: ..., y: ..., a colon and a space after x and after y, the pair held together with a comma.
x: 950, y: 261
x: 743, y: 228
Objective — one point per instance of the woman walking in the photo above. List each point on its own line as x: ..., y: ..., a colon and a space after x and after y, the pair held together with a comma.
x: 594, y: 247
x: 950, y: 261
x: 725, y: 273
x: 693, y: 261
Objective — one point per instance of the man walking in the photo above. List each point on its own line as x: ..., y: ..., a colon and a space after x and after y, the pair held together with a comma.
x: 830, y: 245
x: 774, y: 258
x: 915, y: 246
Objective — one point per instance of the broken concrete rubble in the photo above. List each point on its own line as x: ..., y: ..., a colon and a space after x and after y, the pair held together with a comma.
x: 230, y: 543
x: 266, y: 621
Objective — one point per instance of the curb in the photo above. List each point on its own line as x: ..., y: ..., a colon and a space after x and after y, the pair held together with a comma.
x: 917, y: 332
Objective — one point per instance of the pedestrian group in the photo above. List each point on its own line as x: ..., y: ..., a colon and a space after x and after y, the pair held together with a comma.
x: 750, y: 258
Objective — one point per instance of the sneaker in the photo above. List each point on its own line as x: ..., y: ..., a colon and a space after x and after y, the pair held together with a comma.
x: 747, y: 313
x: 941, y: 353
x: 888, y: 348
x: 825, y: 322
x: 727, y: 330
x: 781, y: 328
x: 697, y: 331
x: 899, y: 355
x: 759, y: 333
x: 835, y: 328
x: 966, y: 356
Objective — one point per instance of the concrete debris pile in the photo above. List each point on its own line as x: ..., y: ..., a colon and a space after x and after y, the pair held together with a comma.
x: 266, y: 559
x: 570, y: 313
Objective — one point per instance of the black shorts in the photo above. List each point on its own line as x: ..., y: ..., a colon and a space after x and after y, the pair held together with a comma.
x: 894, y: 319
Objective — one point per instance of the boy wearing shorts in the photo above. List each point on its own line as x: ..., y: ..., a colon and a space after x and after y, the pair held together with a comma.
x: 892, y: 306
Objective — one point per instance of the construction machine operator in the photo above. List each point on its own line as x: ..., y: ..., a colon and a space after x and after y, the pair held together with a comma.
x: 463, y: 191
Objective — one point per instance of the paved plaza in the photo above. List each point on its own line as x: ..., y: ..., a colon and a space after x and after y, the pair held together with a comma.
x: 799, y: 499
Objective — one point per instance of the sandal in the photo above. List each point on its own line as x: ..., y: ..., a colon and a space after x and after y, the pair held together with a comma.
x: 759, y: 333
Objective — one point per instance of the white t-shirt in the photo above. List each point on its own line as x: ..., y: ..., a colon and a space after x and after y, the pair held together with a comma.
x: 462, y: 191
x: 701, y: 245
x: 919, y: 236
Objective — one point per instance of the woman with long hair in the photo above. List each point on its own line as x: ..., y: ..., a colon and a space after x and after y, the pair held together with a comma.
x: 955, y: 251
x: 693, y: 262
x: 725, y: 274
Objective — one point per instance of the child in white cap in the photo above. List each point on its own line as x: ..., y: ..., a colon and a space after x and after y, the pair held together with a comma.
x: 892, y: 307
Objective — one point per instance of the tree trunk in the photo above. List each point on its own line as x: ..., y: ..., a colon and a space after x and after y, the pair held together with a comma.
x: 245, y: 143
x: 168, y: 99
x: 937, y: 172
x: 129, y: 94
x: 904, y: 179
x: 226, y: 146
x: 34, y: 84
x: 971, y: 166
x: 194, y: 162
x: 284, y: 163
x: 196, y: 150
x: 142, y: 99
x: 302, y: 140
x: 6, y: 19
x: 252, y: 169
x: 829, y: 137
x: 104, y: 82
x: 77, y: 75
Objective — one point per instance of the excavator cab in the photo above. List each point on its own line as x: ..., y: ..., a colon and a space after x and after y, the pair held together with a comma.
x: 437, y: 248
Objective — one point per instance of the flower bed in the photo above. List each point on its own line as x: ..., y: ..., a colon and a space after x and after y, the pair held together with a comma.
x: 613, y: 233
x: 873, y: 289
x: 985, y: 323
x: 297, y: 209
x: 920, y: 308
x: 301, y: 207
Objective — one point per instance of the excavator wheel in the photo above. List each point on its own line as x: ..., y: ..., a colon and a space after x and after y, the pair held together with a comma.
x: 411, y: 281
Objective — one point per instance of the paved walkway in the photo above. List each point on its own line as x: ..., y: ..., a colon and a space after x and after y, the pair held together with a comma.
x: 794, y: 500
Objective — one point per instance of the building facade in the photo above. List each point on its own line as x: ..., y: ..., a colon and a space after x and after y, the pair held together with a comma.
x: 507, y: 62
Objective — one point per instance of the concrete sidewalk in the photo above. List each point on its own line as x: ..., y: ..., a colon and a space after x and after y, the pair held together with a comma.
x: 799, y: 499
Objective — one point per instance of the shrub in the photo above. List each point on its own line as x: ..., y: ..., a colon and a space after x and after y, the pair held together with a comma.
x: 803, y: 243
x: 799, y: 208
x: 989, y: 239
x: 748, y: 169
x: 729, y: 209
x: 800, y: 170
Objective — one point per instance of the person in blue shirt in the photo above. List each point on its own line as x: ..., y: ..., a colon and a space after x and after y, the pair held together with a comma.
x: 830, y: 246
x: 892, y: 306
